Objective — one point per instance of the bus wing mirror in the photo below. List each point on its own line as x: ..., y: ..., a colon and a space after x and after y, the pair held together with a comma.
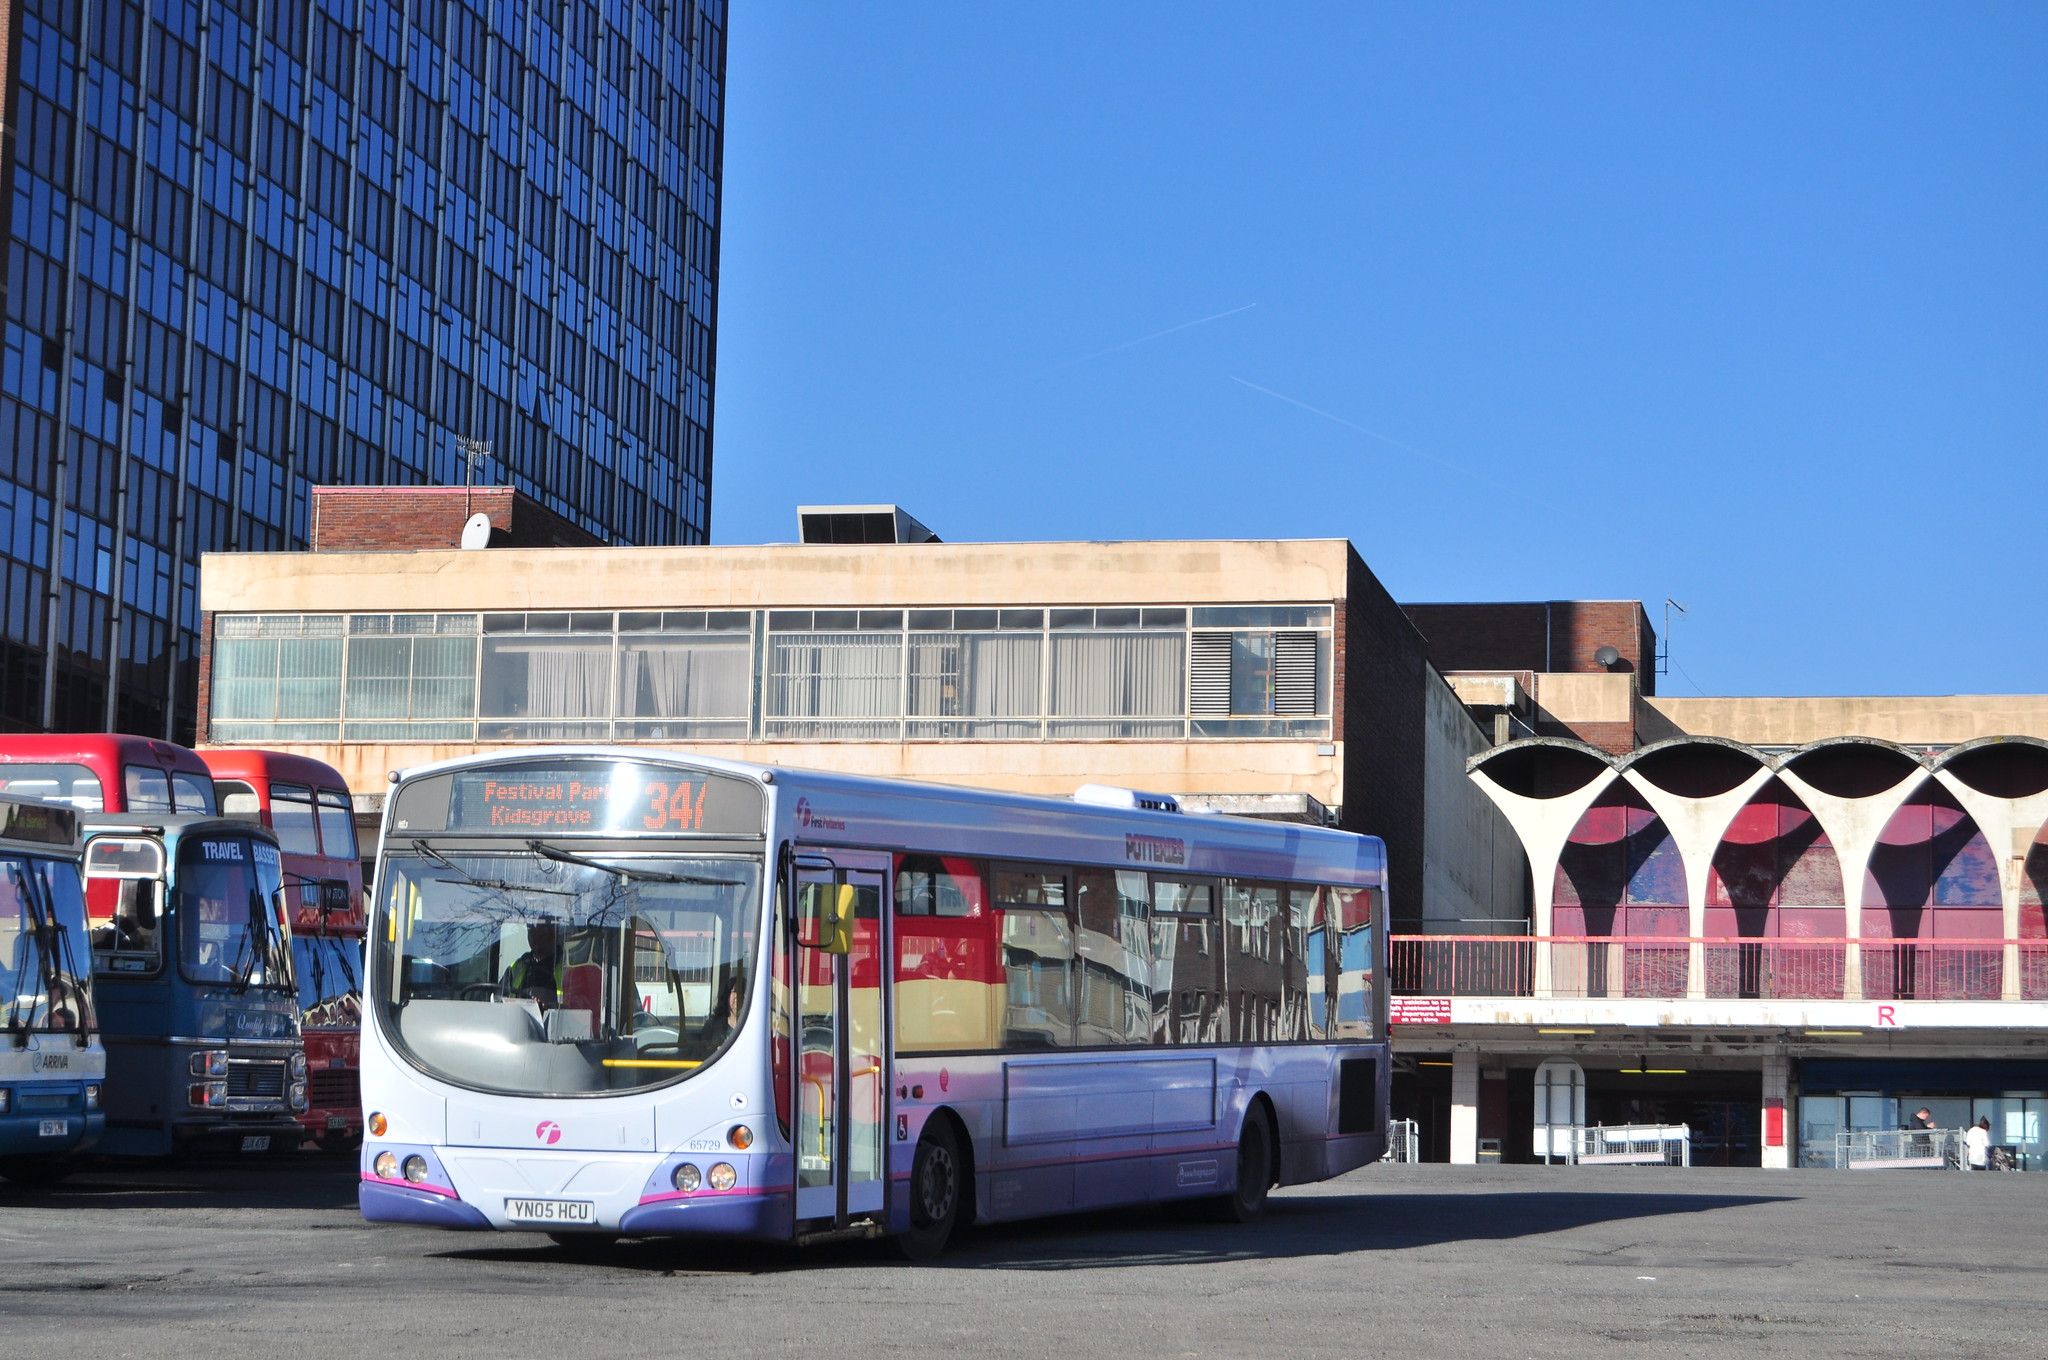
x: 824, y: 917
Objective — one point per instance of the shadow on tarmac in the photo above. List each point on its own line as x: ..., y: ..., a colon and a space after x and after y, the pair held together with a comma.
x: 1325, y: 1225
x: 300, y: 1180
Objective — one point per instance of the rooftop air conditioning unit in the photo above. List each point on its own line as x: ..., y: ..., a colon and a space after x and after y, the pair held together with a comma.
x: 859, y: 524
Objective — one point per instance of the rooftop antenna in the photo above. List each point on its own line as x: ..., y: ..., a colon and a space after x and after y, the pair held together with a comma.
x: 1664, y: 653
x: 473, y: 451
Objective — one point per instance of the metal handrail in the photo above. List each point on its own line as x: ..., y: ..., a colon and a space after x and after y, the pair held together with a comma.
x: 1831, y: 969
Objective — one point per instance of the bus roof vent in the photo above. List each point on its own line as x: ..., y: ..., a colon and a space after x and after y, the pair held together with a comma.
x: 1108, y: 795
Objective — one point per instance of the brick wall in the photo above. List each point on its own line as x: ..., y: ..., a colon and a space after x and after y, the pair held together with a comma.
x: 205, y: 700
x: 1554, y: 635
x: 404, y: 518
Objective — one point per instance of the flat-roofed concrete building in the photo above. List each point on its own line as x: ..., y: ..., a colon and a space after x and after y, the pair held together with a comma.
x: 1273, y: 678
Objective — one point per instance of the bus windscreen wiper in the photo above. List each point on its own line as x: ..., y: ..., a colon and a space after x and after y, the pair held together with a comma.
x: 546, y: 851
x: 426, y: 851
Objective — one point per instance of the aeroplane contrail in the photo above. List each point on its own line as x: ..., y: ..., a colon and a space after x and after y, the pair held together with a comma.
x: 1143, y: 339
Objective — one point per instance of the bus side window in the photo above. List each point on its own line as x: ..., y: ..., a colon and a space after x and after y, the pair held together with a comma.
x: 1308, y: 987
x: 1038, y: 957
x: 948, y: 962
x: 1187, y: 1005
x: 1114, y: 964
x: 1353, y: 916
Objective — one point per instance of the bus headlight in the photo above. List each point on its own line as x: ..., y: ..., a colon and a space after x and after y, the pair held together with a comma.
x: 92, y: 1096
x: 415, y: 1168
x: 723, y: 1177
x: 298, y: 1095
x: 297, y: 1066
x: 6, y: 1100
x: 209, y: 1062
x: 204, y: 1095
x: 740, y: 1136
x: 687, y: 1178
x: 386, y: 1166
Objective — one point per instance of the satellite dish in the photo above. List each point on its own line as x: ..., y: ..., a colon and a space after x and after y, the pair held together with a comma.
x: 476, y: 531
x: 1607, y: 656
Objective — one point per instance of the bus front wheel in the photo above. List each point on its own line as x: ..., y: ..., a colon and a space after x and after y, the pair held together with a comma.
x: 936, y: 1175
x: 1247, y: 1199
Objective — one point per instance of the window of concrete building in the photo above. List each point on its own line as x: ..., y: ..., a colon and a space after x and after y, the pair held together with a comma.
x: 276, y: 677
x: 546, y: 676
x: 685, y: 674
x: 974, y: 673
x: 834, y: 674
x: 1260, y: 671
x: 1117, y: 673
x: 410, y: 677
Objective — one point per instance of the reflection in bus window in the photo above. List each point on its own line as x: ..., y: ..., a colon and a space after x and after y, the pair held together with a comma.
x: 239, y: 801
x: 1353, y: 914
x: 293, y: 819
x: 1254, y: 969
x: 1038, y: 958
x: 330, y: 980
x: 191, y: 793
x: 640, y: 955
x: 948, y: 961
x: 1187, y: 1000
x: 53, y: 783
x: 1308, y: 962
x: 1114, y: 966
x: 229, y: 932
x: 147, y: 789
x: 337, y: 825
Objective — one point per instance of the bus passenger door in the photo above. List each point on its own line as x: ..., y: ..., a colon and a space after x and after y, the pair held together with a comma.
x: 841, y: 1072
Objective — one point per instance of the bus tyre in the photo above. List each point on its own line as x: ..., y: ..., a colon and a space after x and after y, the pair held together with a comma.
x: 936, y: 1190
x: 1247, y: 1200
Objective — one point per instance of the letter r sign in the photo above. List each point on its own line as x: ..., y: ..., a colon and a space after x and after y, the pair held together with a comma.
x: 1887, y: 1017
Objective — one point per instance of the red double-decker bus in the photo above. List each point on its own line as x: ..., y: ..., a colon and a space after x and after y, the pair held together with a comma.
x: 105, y: 772
x: 305, y: 803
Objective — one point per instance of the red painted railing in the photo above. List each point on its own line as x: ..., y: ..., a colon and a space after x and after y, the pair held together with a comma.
x: 1764, y: 970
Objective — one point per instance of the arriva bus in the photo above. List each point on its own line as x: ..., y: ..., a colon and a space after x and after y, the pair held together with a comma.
x: 192, y: 966
x: 105, y: 772
x: 639, y: 993
x: 51, y: 1062
x: 306, y: 803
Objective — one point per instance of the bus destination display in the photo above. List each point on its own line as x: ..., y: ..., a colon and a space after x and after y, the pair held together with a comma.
x: 601, y: 798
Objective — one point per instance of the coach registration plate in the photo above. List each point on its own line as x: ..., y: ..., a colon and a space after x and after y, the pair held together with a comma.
x: 551, y: 1210
x: 52, y: 1128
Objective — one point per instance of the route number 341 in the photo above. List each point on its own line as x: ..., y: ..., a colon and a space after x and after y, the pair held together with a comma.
x: 674, y: 807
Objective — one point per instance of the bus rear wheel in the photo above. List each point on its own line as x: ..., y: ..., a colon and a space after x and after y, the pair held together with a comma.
x: 1247, y: 1199
x: 935, y: 1192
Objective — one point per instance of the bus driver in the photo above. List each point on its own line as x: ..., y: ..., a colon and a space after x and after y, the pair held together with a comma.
x: 536, y: 974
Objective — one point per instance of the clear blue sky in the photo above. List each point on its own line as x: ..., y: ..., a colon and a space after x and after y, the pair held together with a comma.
x: 1743, y: 305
